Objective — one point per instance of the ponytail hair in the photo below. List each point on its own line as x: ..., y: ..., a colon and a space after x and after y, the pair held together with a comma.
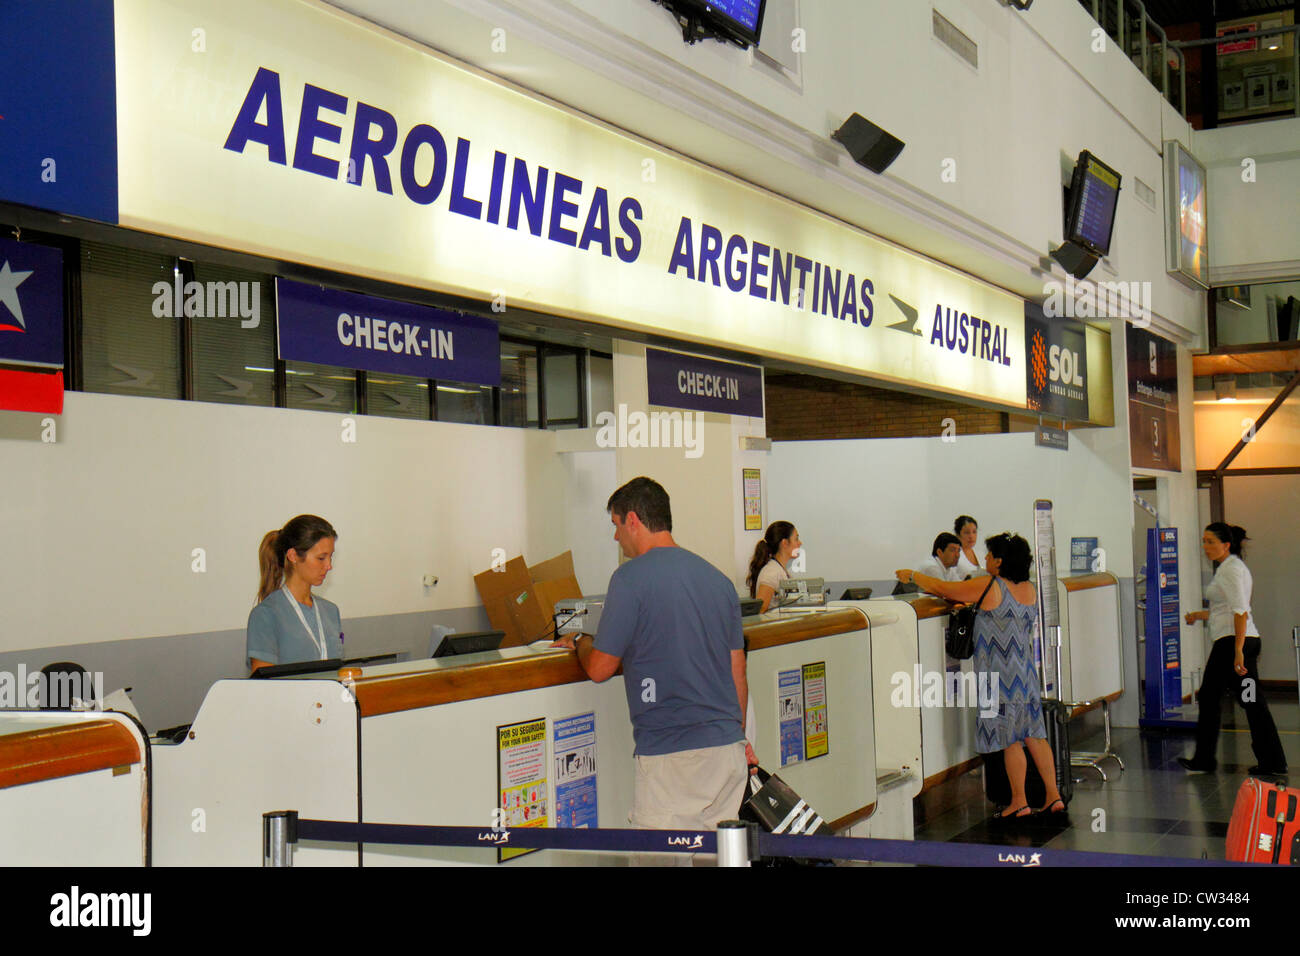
x: 300, y: 534
x: 766, y: 550
x: 1234, y: 536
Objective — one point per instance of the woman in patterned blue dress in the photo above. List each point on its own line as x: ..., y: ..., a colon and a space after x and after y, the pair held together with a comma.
x: 1004, y: 631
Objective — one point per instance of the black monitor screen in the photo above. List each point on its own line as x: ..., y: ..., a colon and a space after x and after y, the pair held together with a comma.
x: 738, y: 20
x: 1094, y: 199
x: 475, y: 643
x: 331, y: 665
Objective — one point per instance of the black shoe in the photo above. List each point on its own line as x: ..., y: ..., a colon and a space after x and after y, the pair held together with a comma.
x: 1258, y: 771
x: 1187, y: 764
x: 1021, y: 816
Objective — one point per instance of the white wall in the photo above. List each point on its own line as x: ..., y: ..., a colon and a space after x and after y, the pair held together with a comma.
x: 867, y: 507
x: 100, y: 526
x: 1267, y: 507
x: 1254, y: 220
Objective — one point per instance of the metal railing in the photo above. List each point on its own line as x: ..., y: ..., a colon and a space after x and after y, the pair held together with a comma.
x: 1121, y: 19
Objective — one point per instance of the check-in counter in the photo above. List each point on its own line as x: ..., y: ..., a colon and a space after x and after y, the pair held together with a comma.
x: 422, y: 742
x: 1091, y: 652
x: 1091, y: 661
x: 74, y: 789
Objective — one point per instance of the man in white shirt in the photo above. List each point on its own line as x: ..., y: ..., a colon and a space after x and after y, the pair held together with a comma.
x: 942, y: 563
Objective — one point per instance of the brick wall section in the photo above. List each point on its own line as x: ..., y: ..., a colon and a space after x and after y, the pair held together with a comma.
x: 806, y: 408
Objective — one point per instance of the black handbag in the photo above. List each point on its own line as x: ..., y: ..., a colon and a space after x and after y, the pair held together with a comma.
x: 959, y: 642
x: 772, y: 804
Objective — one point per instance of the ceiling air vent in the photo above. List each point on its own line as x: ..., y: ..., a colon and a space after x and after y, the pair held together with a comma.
x: 955, y: 40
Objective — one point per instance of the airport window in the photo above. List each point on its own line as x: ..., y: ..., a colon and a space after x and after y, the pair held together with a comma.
x: 232, y: 345
x: 600, y: 368
x: 321, y: 388
x: 397, y: 396
x: 562, y: 388
x: 130, y: 340
x: 467, y: 404
x: 519, y: 384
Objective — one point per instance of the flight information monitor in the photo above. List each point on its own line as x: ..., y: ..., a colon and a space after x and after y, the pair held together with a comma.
x: 740, y: 21
x: 1094, y: 197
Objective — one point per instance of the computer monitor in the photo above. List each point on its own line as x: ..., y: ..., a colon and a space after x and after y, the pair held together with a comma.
x: 856, y: 594
x: 750, y: 606
x: 329, y: 665
x: 908, y: 588
x: 476, y: 642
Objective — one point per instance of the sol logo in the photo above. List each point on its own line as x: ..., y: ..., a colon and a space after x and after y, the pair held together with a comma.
x: 1038, y: 360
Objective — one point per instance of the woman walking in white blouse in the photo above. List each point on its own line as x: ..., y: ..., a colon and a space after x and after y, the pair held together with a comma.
x: 1232, y: 661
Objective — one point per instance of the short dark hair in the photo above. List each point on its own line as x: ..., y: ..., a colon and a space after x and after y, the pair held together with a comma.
x: 961, y: 522
x: 1013, y: 551
x: 647, y: 498
x: 1233, y: 535
x: 943, y: 541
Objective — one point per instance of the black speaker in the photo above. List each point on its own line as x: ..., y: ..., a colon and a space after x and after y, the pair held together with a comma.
x: 867, y: 143
x: 1075, y: 259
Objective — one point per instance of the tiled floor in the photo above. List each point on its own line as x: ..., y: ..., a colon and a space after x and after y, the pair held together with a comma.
x: 1152, y: 807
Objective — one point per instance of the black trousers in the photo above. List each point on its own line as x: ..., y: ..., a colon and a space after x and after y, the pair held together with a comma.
x: 1219, y: 677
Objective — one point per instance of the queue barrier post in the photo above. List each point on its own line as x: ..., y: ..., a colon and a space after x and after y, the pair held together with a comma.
x: 733, y: 843
x: 279, y: 836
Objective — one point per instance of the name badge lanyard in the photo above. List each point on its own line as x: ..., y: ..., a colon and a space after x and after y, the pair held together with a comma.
x: 297, y: 609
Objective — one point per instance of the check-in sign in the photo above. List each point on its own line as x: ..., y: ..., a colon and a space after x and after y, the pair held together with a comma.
x: 704, y: 385
x: 331, y: 327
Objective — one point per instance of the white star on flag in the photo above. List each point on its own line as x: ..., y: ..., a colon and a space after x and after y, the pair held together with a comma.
x: 9, y: 283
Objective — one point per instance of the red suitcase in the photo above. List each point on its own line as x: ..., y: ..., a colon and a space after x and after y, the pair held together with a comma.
x: 1265, y: 825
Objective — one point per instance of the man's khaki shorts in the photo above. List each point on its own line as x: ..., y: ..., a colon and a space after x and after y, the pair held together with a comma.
x: 690, y: 789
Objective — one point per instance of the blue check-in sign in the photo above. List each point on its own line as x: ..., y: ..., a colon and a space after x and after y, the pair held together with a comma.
x: 31, y: 304
x: 677, y: 380
x: 350, y: 330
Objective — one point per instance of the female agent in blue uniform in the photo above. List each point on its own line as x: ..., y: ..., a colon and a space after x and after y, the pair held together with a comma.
x: 290, y: 623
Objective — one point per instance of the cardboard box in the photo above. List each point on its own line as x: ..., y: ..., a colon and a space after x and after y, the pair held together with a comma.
x: 520, y: 600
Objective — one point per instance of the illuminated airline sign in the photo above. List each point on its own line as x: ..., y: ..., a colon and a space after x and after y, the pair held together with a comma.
x: 316, y: 137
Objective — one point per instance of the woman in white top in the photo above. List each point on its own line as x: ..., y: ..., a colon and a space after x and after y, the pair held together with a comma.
x: 967, y: 531
x: 771, y: 561
x: 1232, y: 660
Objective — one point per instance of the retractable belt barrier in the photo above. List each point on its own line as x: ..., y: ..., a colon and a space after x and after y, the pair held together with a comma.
x: 286, y: 828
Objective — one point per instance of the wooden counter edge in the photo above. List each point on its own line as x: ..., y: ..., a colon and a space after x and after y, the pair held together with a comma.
x: 392, y: 693
x: 952, y: 773
x: 805, y: 627
x: 1082, y: 582
x: 851, y: 819
x: 65, y: 750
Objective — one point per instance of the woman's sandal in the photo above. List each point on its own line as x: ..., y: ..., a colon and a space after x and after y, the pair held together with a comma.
x: 1050, y: 810
x: 1005, y: 819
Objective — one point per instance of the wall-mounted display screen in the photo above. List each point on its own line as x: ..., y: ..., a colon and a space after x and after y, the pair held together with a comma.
x: 1094, y: 196
x: 737, y: 20
x: 1187, y: 228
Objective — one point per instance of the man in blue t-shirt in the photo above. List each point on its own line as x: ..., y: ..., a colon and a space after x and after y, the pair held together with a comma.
x: 672, y: 621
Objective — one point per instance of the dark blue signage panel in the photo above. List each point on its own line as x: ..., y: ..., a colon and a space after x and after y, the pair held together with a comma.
x: 350, y: 330
x: 1056, y: 370
x: 704, y: 385
x: 31, y: 304
x: 58, y: 107
x: 1164, y: 692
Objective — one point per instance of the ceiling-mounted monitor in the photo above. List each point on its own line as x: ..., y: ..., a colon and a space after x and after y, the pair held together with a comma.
x: 737, y: 21
x: 1094, y: 197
